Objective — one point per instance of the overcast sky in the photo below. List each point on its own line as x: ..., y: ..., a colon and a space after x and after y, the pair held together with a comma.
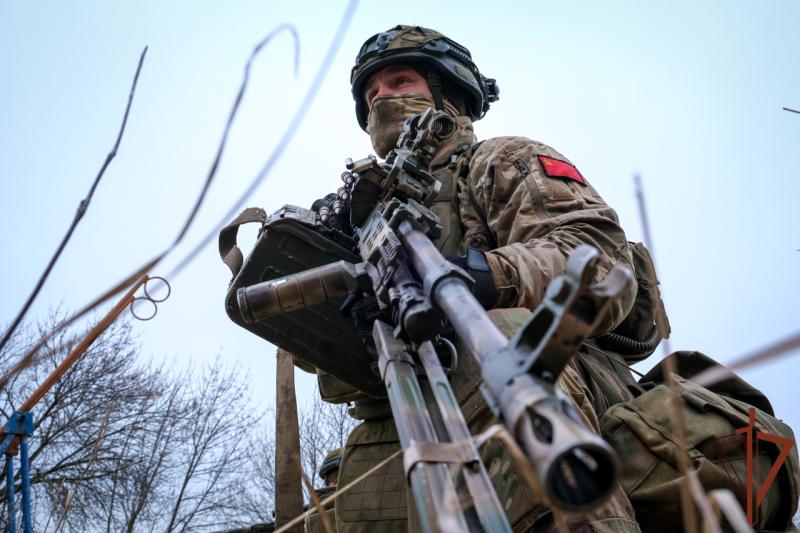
x: 689, y: 94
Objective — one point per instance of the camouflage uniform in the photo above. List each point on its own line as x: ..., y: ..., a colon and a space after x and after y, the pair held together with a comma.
x: 498, y: 197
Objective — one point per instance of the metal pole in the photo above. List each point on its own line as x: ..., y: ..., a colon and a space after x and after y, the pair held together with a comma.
x: 7, y: 440
x: 24, y: 467
x: 10, y: 493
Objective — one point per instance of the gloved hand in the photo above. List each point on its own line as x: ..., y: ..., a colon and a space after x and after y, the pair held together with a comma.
x: 324, y: 208
x: 475, y: 264
x: 325, y: 201
x: 364, y: 309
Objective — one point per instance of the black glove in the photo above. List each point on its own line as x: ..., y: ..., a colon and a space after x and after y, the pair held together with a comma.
x: 364, y: 310
x: 476, y: 265
x: 325, y: 201
x: 324, y: 208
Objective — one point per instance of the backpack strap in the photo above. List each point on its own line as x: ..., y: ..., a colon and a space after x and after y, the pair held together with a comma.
x: 228, y: 248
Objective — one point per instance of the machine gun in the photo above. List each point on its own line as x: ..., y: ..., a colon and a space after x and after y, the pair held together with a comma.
x: 419, y: 292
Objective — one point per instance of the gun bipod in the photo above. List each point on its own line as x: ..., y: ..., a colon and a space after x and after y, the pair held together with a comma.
x: 450, y: 486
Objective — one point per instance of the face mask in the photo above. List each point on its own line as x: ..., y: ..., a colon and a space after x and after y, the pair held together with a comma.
x: 389, y: 113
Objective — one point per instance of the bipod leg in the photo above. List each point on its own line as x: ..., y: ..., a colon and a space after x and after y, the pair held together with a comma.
x: 424, y: 456
x: 490, y: 512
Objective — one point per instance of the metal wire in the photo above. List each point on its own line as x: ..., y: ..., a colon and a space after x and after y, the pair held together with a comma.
x: 29, y: 358
x: 82, y: 207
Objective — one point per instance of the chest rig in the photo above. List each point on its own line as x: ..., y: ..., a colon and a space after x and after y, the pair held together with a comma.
x: 446, y: 204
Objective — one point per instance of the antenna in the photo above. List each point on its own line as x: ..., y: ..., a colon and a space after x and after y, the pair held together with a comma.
x: 648, y: 241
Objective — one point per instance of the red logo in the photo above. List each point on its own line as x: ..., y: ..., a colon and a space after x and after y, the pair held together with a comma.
x: 750, y: 436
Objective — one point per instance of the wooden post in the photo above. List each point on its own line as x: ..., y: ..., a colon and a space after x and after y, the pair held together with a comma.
x: 288, y: 487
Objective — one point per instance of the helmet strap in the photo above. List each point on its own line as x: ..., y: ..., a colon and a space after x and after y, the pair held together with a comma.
x: 435, y: 85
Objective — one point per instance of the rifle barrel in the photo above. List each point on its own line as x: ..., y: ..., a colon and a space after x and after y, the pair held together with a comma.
x: 472, y: 324
x: 289, y: 293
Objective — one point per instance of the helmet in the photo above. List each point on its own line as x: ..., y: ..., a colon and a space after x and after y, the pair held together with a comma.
x: 442, y: 56
x: 331, y: 462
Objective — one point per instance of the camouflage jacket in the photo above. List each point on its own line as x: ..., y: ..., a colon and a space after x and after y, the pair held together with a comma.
x: 528, y: 218
x: 496, y: 196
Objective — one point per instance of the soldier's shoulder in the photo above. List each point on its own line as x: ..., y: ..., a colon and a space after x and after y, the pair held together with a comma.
x: 511, y: 147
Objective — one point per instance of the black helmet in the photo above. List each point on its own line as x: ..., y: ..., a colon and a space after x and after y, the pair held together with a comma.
x: 414, y: 45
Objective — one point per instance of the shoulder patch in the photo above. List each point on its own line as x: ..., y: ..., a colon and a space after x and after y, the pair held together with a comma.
x: 555, y: 168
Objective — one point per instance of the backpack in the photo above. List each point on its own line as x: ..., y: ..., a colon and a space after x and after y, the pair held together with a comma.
x: 642, y: 433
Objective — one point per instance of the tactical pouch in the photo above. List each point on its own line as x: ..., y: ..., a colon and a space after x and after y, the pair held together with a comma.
x: 641, y: 431
x: 646, y: 324
x: 293, y: 240
x: 333, y: 390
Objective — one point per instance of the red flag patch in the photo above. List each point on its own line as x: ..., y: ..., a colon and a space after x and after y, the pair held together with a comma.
x: 560, y: 169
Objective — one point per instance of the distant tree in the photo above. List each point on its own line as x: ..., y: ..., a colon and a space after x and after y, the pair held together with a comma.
x: 323, y: 427
x: 258, y: 492
x: 105, y: 388
x: 124, y: 445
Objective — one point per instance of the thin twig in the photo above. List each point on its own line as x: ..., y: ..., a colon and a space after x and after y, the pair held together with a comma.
x: 500, y: 432
x: 693, y: 496
x: 283, y: 143
x: 323, y: 516
x: 92, y: 457
x: 232, y: 115
x: 661, y: 320
x: 682, y: 457
x: 339, y: 492
x: 82, y: 207
x: 29, y: 358
x: 344, y: 24
x: 772, y: 351
x: 791, y: 110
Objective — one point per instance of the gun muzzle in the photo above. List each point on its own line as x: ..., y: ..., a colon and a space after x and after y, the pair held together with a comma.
x: 289, y: 293
x: 442, y: 127
x: 576, y: 468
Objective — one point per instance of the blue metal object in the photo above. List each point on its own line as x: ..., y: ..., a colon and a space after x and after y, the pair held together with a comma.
x: 7, y: 440
x: 12, y: 516
x: 18, y: 428
x: 25, y: 473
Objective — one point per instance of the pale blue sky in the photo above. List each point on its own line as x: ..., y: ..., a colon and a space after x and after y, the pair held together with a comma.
x: 687, y: 93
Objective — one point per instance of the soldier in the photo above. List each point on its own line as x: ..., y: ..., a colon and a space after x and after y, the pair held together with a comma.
x: 512, y: 210
x: 328, y: 472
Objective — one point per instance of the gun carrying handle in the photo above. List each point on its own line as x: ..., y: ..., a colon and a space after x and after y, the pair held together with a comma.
x: 307, y: 288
